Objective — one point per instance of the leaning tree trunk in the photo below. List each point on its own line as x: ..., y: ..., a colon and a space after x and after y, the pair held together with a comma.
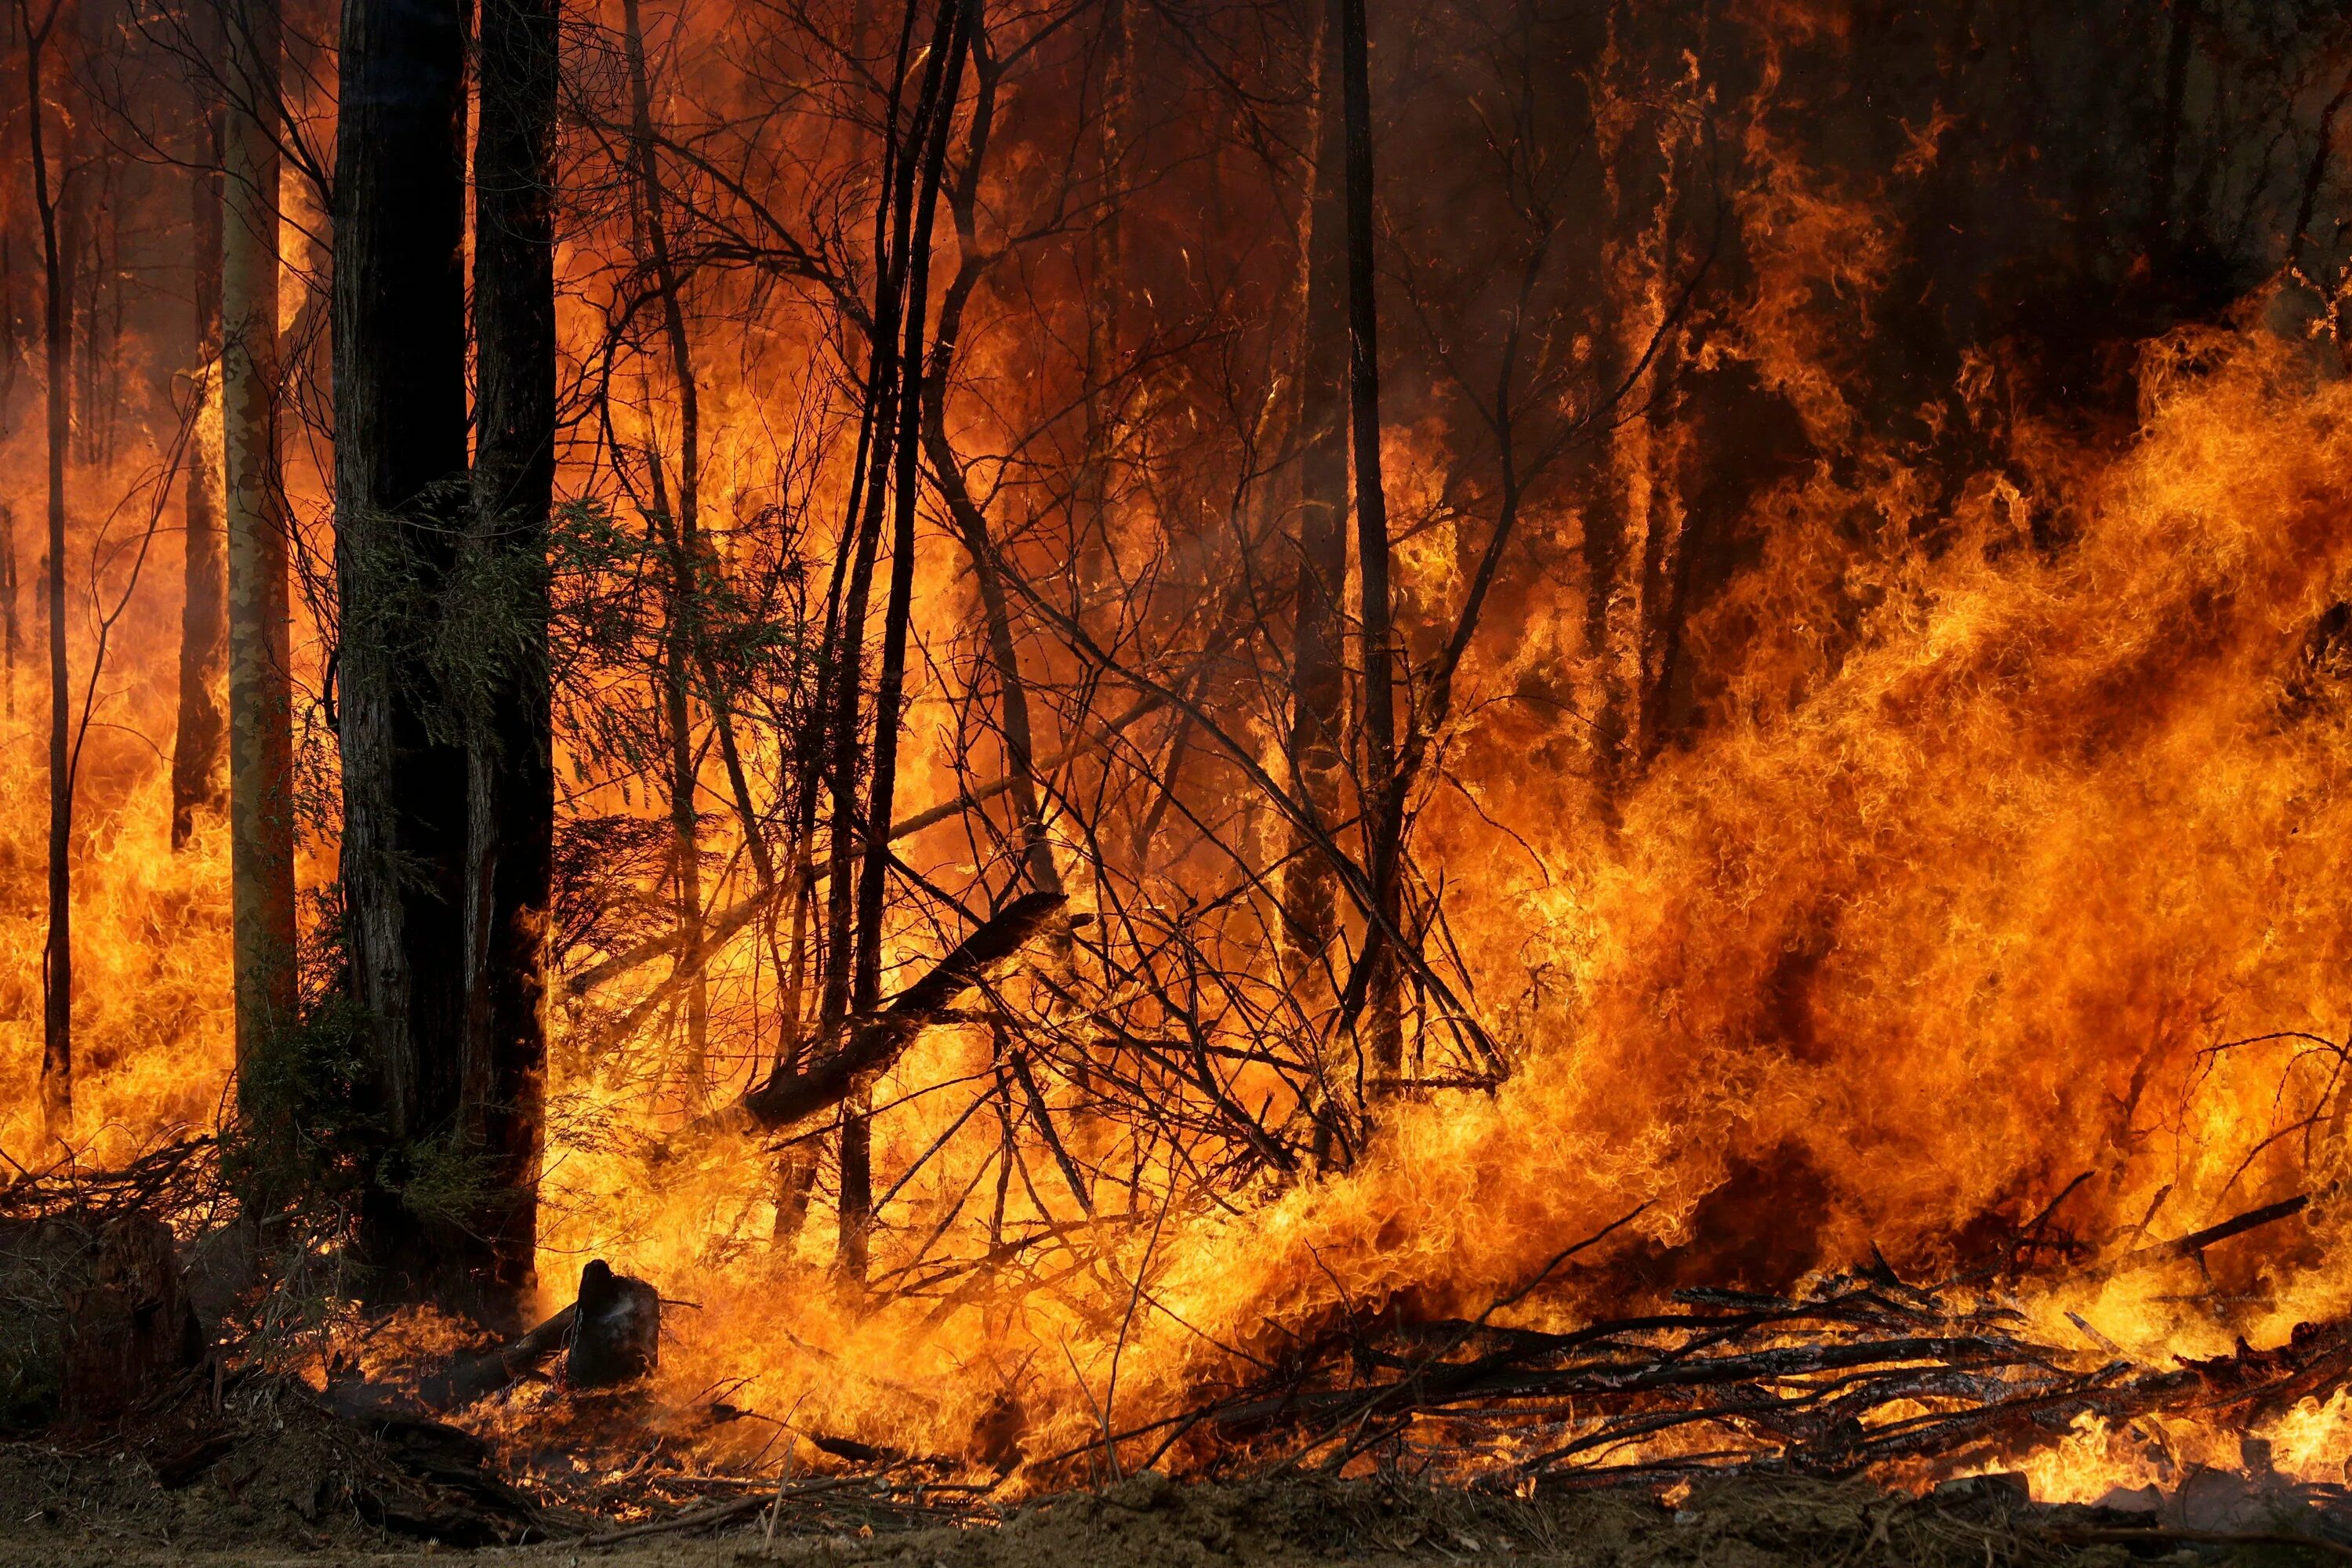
x: 56, y: 327
x: 510, y: 760
x: 260, y: 689
x: 400, y: 467
x: 197, y: 744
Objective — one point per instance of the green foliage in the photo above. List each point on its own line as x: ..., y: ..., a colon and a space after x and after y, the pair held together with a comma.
x: 307, y: 1132
x: 616, y: 602
x: 490, y: 634
x: 309, y: 1149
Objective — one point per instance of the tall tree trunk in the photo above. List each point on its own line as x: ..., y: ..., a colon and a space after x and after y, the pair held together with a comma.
x: 686, y: 826
x: 1018, y: 732
x: 1382, y: 810
x: 1319, y: 665
x: 400, y: 461
x: 56, y: 951
x: 943, y: 82
x: 1633, y: 545
x: 681, y: 529
x: 260, y: 686
x: 10, y: 632
x: 509, y: 757
x: 196, y: 748
x: 1105, y: 294
x: 845, y: 641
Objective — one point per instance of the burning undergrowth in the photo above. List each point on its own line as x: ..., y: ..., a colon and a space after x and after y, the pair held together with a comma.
x: 1864, y: 992
x: 1929, y: 1078
x: 1934, y: 1072
x: 1999, y: 960
x: 2001, y: 953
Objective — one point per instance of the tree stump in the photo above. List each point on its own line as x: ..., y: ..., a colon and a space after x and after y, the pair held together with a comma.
x: 615, y: 1329
x: 129, y: 1327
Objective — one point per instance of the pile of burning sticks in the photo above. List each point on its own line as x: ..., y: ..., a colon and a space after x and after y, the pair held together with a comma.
x: 1862, y: 1373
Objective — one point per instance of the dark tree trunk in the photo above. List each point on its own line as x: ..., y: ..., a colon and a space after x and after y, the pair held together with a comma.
x: 10, y: 632
x: 56, y: 951
x: 887, y: 379
x: 129, y: 1329
x: 952, y: 41
x: 203, y: 732
x: 1106, y: 288
x: 1022, y: 788
x: 1382, y: 810
x: 510, y: 760
x: 260, y: 686
x: 400, y: 469
x: 1318, y: 670
x: 678, y: 527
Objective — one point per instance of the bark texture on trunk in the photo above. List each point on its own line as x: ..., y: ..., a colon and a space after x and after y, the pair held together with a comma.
x: 1319, y: 665
x: 51, y: 203
x: 510, y: 763
x: 1382, y: 810
x: 400, y: 481
x: 260, y: 689
x: 10, y: 353
x: 201, y: 731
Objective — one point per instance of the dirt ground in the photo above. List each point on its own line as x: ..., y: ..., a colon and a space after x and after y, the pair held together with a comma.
x: 75, y: 1512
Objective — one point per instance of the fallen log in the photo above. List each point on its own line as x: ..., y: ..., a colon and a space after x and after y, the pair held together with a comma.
x: 476, y: 1377
x: 711, y: 1516
x: 794, y: 1094
x: 2189, y: 1245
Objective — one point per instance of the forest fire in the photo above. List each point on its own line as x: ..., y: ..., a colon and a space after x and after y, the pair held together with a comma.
x: 778, y: 763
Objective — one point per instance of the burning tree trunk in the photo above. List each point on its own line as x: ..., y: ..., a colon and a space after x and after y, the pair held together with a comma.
x: 1034, y: 852
x: 886, y: 469
x: 943, y: 80
x: 509, y: 757
x: 678, y: 528
x: 399, y: 457
x: 56, y: 953
x: 260, y: 704
x: 1318, y: 664
x: 196, y: 783
x: 1633, y: 538
x: 9, y: 353
x: 1378, y: 972
x: 1107, y: 245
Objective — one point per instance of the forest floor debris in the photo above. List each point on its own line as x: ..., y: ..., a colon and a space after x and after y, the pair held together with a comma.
x: 65, y: 1513
x: 1731, y: 1427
